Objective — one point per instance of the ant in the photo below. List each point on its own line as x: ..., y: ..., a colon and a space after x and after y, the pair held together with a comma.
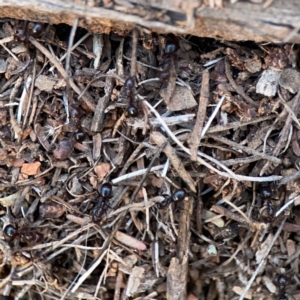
x: 177, y: 196
x: 168, y: 58
x: 101, y: 207
x: 24, y: 236
x: 282, y: 281
x: 36, y: 30
x: 267, y: 211
x: 129, y: 85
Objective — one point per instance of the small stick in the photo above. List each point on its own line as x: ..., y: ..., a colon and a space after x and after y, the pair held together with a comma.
x: 195, y: 137
x: 61, y: 70
x: 30, y: 94
x: 228, y: 214
x: 203, y: 162
x: 288, y: 178
x: 262, y: 260
x: 119, y: 281
x: 234, y: 125
x: 245, y: 149
x: 240, y: 161
x: 133, y: 53
x: 71, y: 40
x: 73, y: 48
x: 159, y: 139
x: 97, y: 122
x: 17, y: 129
x: 285, y: 131
x: 235, y: 86
x: 118, y: 224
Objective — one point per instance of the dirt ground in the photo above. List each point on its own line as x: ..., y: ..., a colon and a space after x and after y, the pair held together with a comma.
x: 147, y: 166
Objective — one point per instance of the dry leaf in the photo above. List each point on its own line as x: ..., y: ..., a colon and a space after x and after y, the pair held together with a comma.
x: 31, y: 168
x: 101, y: 170
x: 239, y: 290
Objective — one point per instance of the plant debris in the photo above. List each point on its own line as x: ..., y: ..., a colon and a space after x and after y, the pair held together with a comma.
x: 147, y: 166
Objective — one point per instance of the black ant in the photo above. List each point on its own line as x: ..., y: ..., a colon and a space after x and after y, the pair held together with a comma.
x: 129, y: 85
x: 36, y: 30
x: 101, y: 207
x: 177, y: 196
x: 282, y: 281
x: 267, y: 212
x: 168, y: 58
x: 25, y: 236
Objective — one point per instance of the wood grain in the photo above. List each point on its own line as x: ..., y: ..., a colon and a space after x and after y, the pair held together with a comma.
x: 279, y: 22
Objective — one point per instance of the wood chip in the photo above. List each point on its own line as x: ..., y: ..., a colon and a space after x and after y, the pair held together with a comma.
x: 101, y: 170
x: 31, y: 168
x: 130, y: 241
x: 182, y: 99
x: 45, y: 83
x: 268, y: 82
x: 238, y: 290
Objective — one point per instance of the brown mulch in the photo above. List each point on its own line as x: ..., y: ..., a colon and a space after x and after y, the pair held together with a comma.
x: 147, y: 166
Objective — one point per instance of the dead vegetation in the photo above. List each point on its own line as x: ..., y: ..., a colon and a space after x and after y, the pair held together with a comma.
x: 147, y: 166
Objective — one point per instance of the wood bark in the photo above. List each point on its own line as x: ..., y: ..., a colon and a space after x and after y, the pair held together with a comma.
x: 240, y: 21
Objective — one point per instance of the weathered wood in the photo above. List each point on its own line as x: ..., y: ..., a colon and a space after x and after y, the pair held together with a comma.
x: 279, y: 22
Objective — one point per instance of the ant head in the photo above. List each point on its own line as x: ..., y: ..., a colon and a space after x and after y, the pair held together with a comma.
x: 179, y: 195
x: 106, y: 190
x: 266, y: 192
x: 131, y: 111
x: 9, y: 232
x: 282, y: 280
x: 37, y: 29
x: 171, y: 48
x: 171, y: 43
x: 130, y: 82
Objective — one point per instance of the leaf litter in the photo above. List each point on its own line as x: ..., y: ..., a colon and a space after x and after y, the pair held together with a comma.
x: 118, y: 126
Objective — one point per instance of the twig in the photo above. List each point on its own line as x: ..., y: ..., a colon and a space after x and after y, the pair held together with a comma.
x: 135, y: 173
x: 240, y: 161
x: 195, y: 138
x: 238, y: 89
x: 138, y: 123
x: 284, y: 132
x: 206, y: 128
x: 119, y: 281
x: 61, y: 70
x: 262, y: 260
x: 133, y: 53
x: 286, y: 205
x: 159, y: 139
x: 201, y: 161
x: 17, y: 129
x: 97, y: 122
x: 244, y: 148
x: 112, y: 234
x: 68, y: 58
x: 288, y: 178
x: 73, y: 48
x: 30, y: 94
x: 234, y: 125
